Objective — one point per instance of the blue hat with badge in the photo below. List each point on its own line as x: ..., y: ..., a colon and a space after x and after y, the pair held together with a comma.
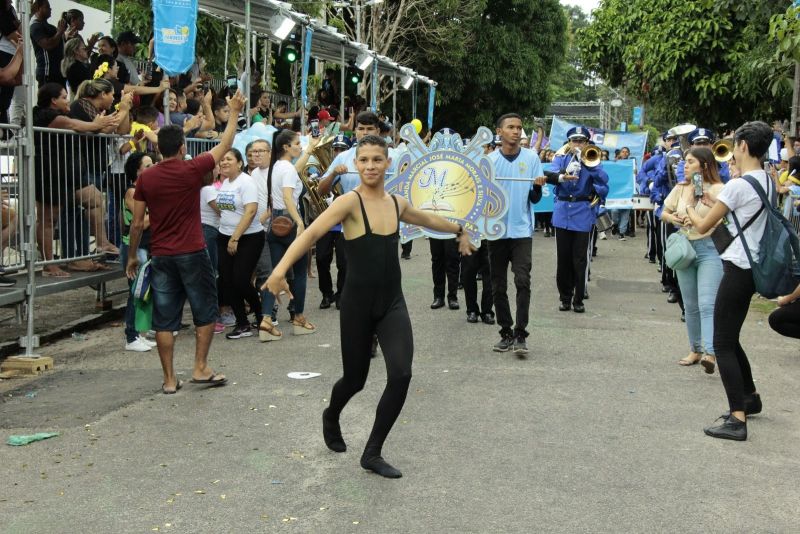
x: 701, y: 134
x: 578, y: 132
x: 497, y: 141
x: 666, y: 134
x: 341, y: 141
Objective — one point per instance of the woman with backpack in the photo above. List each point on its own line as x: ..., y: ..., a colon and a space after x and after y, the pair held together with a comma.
x: 737, y: 199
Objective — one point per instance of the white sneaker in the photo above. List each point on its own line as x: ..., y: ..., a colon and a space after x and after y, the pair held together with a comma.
x: 602, y: 236
x: 147, y: 341
x: 228, y: 319
x: 137, y: 345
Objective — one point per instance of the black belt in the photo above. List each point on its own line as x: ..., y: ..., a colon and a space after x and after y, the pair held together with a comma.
x: 575, y: 199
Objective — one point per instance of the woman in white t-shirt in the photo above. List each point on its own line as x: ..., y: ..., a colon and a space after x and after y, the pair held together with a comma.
x: 737, y: 287
x: 240, y: 241
x: 285, y: 188
x: 698, y: 282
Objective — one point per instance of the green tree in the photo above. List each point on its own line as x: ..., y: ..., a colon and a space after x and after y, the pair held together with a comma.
x: 501, y: 61
x: 700, y: 61
x: 569, y: 83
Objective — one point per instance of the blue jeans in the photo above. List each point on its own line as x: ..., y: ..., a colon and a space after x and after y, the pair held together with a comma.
x: 699, y: 284
x: 178, y: 278
x: 277, y: 248
x: 621, y: 219
x: 211, y: 234
x: 130, y: 312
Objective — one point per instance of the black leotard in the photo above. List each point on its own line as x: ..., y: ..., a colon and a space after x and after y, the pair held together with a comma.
x: 372, y: 303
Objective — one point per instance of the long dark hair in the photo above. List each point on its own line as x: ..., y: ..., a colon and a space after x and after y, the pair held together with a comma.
x: 280, y: 139
x: 708, y: 165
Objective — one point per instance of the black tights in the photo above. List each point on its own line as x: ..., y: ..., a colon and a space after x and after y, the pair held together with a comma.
x: 358, y: 325
x: 730, y: 310
x: 786, y: 320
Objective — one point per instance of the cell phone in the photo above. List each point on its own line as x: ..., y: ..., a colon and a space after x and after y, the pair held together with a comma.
x: 232, y: 82
x: 697, y: 181
x: 206, y: 87
x: 148, y: 69
x: 314, y: 128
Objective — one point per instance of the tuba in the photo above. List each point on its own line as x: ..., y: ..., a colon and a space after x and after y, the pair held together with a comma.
x: 723, y: 150
x: 320, y: 159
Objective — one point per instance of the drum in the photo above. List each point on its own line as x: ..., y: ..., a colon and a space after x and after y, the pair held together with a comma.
x: 603, y: 222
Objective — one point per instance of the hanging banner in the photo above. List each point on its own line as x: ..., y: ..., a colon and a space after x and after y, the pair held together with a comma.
x: 431, y: 102
x: 620, y: 186
x: 606, y: 140
x: 175, y: 34
x: 306, y: 63
x: 453, y: 180
x: 374, y: 99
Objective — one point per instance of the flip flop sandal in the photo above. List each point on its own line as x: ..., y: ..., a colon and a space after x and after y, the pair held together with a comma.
x: 212, y: 381
x: 686, y: 362
x: 178, y: 386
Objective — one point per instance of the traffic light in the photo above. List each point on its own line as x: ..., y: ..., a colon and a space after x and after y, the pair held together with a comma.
x: 290, y: 53
x: 354, y: 75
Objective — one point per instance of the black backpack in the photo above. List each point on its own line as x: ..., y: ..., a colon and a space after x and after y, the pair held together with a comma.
x: 777, y: 271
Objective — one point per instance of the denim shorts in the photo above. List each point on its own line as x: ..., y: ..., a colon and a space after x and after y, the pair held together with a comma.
x: 178, y: 278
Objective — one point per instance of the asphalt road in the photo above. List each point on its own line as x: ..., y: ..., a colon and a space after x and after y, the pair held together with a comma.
x: 597, y: 431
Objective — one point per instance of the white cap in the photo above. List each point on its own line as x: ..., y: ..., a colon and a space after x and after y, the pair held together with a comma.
x: 784, y: 154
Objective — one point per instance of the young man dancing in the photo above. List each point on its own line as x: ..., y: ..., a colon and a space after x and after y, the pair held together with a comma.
x: 372, y: 299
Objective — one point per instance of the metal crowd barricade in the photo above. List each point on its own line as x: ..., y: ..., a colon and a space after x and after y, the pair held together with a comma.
x: 11, y: 208
x: 195, y: 147
x: 79, y: 184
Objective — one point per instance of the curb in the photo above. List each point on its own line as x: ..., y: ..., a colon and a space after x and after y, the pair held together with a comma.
x: 13, y: 348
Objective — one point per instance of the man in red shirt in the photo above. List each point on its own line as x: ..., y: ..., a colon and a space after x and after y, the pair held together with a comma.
x: 181, y: 267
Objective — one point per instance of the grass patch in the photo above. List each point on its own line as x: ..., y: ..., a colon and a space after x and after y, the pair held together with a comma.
x: 762, y: 305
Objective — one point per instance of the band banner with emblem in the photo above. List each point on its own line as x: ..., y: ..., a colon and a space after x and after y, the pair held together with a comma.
x: 452, y: 180
x: 605, y: 139
x: 431, y: 104
x: 175, y: 34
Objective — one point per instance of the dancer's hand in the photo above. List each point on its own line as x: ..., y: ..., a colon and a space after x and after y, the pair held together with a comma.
x: 132, y: 268
x: 464, y: 246
x: 275, y: 284
x: 784, y: 300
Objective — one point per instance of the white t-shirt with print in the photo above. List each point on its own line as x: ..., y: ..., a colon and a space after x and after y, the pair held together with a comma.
x: 742, y: 199
x: 231, y: 200
x: 208, y: 215
x: 284, y: 176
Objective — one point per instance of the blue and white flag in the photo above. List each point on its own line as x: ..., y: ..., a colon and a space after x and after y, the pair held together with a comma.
x: 175, y: 31
x: 620, y: 187
x: 431, y: 102
x: 306, y: 63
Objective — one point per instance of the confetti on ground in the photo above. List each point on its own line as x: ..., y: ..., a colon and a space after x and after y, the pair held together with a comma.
x: 200, y: 492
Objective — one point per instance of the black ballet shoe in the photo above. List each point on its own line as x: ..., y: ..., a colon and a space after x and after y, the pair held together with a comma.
x: 377, y: 464
x: 332, y: 434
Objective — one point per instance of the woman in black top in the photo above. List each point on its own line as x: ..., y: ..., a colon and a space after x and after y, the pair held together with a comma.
x: 57, y: 172
x: 75, y: 65
x: 95, y: 98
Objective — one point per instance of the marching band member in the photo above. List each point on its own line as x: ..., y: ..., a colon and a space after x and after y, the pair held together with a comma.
x: 576, y: 187
x: 519, y: 166
x: 703, y: 137
x: 330, y: 243
x: 644, y: 182
x: 665, y: 180
x: 445, y: 265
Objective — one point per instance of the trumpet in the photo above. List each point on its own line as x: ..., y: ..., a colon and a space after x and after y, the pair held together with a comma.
x: 723, y: 150
x: 589, y: 156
